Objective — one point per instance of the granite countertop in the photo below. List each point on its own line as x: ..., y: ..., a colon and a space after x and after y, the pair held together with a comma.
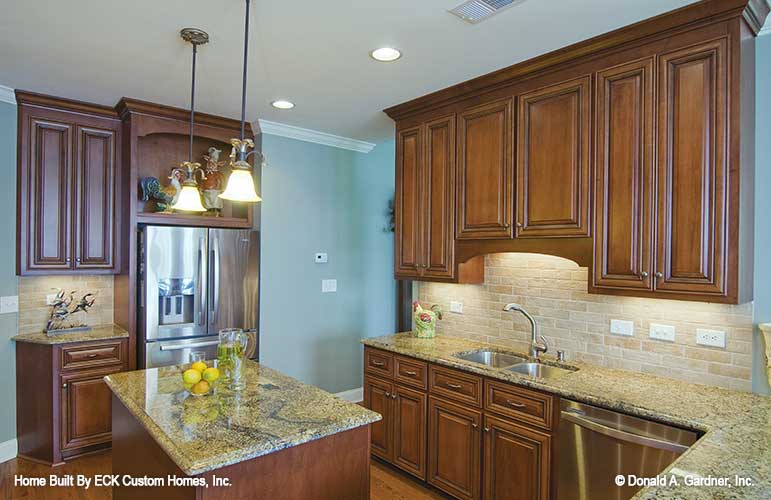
x: 200, y: 434
x: 101, y: 332
x: 737, y: 425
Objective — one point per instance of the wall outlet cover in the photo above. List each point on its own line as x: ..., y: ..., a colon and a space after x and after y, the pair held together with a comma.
x: 662, y: 332
x: 622, y: 327
x: 456, y: 307
x: 9, y: 304
x: 320, y: 258
x: 711, y: 338
x: 328, y: 286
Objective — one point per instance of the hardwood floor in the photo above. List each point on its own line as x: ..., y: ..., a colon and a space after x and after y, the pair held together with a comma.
x: 386, y: 483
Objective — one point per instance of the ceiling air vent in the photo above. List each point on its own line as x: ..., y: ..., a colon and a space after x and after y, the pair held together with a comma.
x: 475, y: 11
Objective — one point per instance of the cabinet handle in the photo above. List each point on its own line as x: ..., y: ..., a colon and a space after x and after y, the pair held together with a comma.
x: 506, y: 225
x: 644, y: 274
x: 487, y: 429
x: 515, y: 404
x: 64, y: 386
x: 393, y: 396
x: 388, y: 394
x: 378, y: 363
x: 410, y: 373
x: 519, y: 224
x: 474, y: 426
x: 659, y: 274
x: 92, y: 355
x: 454, y: 386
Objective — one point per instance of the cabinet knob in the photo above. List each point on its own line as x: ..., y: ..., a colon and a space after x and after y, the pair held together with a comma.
x: 64, y: 386
x: 506, y: 225
x: 644, y: 274
x: 519, y: 224
x: 487, y: 429
x: 474, y: 426
x: 68, y: 260
x: 77, y: 260
x: 659, y: 274
x: 393, y: 396
x: 388, y: 394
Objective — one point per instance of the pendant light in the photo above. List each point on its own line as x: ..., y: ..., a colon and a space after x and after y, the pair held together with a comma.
x: 189, y: 199
x: 240, y: 185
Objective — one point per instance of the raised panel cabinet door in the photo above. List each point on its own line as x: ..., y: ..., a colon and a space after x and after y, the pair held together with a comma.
x: 439, y: 192
x: 624, y: 169
x: 407, y: 207
x: 553, y: 167
x: 86, y: 408
x: 517, y: 462
x: 45, y: 179
x: 692, y: 170
x: 485, y: 172
x: 95, y: 189
x: 410, y: 431
x: 454, y: 449
x: 377, y: 397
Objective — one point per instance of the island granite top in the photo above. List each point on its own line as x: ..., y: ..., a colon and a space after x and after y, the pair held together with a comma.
x: 101, y: 332
x: 736, y: 425
x: 204, y: 433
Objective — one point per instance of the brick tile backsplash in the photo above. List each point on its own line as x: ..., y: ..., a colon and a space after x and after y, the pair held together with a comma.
x: 553, y: 290
x: 34, y: 313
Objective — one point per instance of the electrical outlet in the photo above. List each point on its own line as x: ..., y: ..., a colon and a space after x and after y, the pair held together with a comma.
x: 456, y: 307
x: 712, y: 338
x: 9, y: 304
x: 622, y: 327
x: 320, y: 258
x: 662, y: 332
x: 328, y: 286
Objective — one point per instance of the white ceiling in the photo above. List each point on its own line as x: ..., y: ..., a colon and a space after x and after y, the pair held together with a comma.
x: 312, y: 52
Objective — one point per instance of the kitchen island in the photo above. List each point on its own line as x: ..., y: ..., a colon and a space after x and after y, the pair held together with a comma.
x: 276, y: 439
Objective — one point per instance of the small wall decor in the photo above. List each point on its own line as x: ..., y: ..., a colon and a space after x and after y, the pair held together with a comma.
x: 212, y: 181
x: 425, y: 320
x: 163, y: 196
x: 67, y: 315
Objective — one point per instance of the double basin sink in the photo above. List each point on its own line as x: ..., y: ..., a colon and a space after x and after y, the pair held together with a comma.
x: 513, y: 363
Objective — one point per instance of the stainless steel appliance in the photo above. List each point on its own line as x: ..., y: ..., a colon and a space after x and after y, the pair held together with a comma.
x: 596, y: 445
x: 194, y: 282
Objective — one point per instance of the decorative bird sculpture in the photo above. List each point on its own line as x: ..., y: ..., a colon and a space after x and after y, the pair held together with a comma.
x: 163, y: 196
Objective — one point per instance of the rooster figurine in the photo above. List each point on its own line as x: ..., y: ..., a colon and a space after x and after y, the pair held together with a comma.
x: 163, y: 196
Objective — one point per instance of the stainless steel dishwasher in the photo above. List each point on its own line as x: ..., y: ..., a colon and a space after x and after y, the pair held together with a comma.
x: 596, y: 445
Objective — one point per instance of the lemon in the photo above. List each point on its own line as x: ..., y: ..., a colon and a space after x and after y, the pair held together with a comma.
x: 191, y: 376
x: 201, y: 387
x: 211, y: 374
x: 199, y: 365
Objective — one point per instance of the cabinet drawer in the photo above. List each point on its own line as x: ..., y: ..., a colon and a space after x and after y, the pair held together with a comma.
x: 455, y: 385
x: 524, y: 405
x: 379, y: 363
x: 90, y: 355
x: 411, y: 372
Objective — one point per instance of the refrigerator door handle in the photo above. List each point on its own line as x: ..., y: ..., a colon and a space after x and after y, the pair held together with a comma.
x: 215, y: 286
x: 200, y: 290
x: 177, y: 347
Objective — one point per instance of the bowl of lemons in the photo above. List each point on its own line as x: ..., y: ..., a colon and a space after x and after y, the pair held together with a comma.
x: 199, y: 378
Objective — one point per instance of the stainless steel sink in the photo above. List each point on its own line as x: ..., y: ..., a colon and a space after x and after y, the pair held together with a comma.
x: 491, y: 358
x: 539, y: 370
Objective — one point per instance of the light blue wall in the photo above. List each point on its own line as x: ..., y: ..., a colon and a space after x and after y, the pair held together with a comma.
x: 8, y: 281
x: 762, y: 295
x: 323, y: 199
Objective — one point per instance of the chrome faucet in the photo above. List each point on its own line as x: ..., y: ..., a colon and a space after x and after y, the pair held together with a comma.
x: 536, y: 348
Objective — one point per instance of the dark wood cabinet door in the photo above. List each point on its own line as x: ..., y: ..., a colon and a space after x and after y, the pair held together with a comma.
x: 377, y: 397
x: 517, y: 462
x: 623, y: 213
x: 439, y: 199
x: 553, y: 130
x: 85, y: 406
x: 45, y: 179
x: 692, y: 170
x: 454, y: 449
x: 95, y: 191
x: 485, y: 172
x: 407, y: 205
x: 410, y: 431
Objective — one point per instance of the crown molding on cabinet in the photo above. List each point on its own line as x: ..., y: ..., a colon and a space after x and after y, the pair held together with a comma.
x: 314, y: 136
x: 7, y: 95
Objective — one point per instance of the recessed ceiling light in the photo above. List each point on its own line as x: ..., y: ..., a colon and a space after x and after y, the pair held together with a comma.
x: 385, y: 54
x: 282, y: 104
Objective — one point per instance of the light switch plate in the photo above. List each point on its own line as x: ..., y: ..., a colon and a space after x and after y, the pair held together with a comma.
x: 9, y: 304
x: 320, y: 258
x: 622, y: 327
x: 328, y: 286
x: 456, y: 307
x: 712, y: 338
x: 662, y: 332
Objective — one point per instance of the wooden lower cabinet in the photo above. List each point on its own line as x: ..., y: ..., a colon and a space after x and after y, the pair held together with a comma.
x: 454, y: 448
x: 409, y: 431
x: 85, y: 402
x: 516, y: 461
x: 377, y: 397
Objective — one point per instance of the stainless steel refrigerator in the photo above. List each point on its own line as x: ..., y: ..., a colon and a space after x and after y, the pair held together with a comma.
x: 193, y: 283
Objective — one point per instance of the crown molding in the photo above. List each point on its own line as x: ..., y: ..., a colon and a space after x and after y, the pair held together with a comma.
x: 314, y: 136
x: 7, y: 95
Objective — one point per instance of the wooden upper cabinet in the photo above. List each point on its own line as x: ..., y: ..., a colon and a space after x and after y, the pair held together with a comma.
x: 485, y: 178
x: 624, y: 169
x: 439, y: 198
x: 407, y: 207
x: 95, y: 195
x: 692, y: 169
x: 553, y: 130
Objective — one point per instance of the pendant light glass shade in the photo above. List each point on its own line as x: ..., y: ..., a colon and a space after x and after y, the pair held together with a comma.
x: 241, y: 187
x: 189, y: 198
